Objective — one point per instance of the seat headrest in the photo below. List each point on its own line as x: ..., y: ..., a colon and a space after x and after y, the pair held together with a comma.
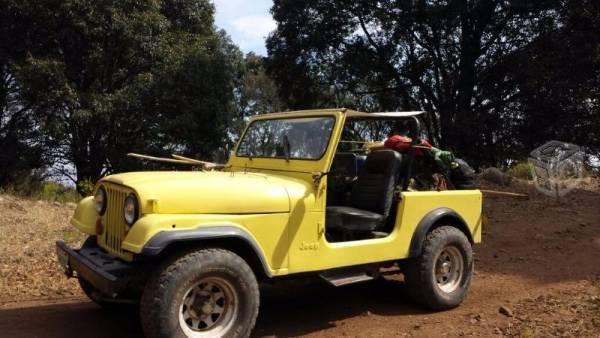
x: 382, y: 161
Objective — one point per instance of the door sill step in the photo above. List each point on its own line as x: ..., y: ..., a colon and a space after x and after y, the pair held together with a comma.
x: 340, y: 278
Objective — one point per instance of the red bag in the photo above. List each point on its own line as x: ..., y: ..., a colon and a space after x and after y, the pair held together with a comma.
x: 403, y: 143
x: 398, y: 142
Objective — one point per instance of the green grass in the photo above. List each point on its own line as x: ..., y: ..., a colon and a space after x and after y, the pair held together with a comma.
x: 520, y: 170
x: 54, y: 192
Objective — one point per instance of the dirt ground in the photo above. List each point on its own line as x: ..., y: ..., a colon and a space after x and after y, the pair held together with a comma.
x: 537, y: 275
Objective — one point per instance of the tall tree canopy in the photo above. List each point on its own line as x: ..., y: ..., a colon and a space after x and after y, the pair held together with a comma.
x: 21, y: 145
x: 84, y: 82
x: 255, y: 93
x: 450, y: 58
x: 103, y: 78
x: 558, y: 80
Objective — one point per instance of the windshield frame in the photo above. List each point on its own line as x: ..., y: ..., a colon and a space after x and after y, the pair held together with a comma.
x: 316, y: 159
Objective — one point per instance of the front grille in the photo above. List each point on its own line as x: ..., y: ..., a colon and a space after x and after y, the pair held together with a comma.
x: 114, y: 221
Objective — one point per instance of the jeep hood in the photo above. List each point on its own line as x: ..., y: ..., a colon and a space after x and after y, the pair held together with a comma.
x: 211, y: 192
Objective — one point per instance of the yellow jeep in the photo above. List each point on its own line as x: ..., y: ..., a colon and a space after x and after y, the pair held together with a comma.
x: 302, y: 194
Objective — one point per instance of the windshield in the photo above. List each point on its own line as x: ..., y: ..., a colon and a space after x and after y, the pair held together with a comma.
x: 304, y: 138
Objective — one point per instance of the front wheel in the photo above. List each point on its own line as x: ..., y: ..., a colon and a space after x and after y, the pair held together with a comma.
x: 440, y: 277
x: 205, y: 293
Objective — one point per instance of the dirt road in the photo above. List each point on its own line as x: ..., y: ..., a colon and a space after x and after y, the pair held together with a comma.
x: 539, y: 260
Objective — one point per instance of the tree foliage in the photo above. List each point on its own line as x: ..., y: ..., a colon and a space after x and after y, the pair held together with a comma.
x: 255, y: 93
x: 103, y: 78
x: 558, y: 80
x: 20, y: 142
x: 84, y: 82
x: 463, y: 61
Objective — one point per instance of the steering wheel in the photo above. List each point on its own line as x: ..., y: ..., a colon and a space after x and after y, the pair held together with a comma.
x: 339, y: 181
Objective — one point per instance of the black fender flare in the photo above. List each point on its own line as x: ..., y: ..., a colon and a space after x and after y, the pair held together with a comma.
x: 163, y: 239
x: 440, y: 216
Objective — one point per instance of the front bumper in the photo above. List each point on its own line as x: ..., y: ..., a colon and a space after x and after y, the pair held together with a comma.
x: 107, y: 274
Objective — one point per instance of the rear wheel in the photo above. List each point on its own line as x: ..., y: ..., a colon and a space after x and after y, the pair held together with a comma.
x: 440, y: 277
x: 205, y: 293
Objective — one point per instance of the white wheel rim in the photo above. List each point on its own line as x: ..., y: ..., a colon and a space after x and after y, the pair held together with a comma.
x: 449, y: 269
x: 208, y: 308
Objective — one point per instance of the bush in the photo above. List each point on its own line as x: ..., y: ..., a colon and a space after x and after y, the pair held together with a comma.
x: 55, y: 192
x: 520, y: 170
x: 86, y: 187
x: 42, y: 190
x: 26, y: 184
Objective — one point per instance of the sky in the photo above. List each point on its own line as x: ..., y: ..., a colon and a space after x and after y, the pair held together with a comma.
x: 248, y: 22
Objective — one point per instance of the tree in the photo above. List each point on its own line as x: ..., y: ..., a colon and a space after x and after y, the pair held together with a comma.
x: 558, y: 80
x: 195, y: 96
x: 438, y: 56
x: 22, y: 147
x: 256, y: 93
x: 107, y: 77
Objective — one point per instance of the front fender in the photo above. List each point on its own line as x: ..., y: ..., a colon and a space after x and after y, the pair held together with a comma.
x: 163, y: 239
x: 152, y: 233
x: 85, y: 216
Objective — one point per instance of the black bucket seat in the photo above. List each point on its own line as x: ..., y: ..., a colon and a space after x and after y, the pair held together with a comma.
x: 372, y: 195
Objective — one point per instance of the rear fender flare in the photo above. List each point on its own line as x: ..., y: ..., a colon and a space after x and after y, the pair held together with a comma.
x: 433, y: 219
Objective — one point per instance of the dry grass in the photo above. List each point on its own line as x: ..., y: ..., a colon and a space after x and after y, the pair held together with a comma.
x: 28, y: 231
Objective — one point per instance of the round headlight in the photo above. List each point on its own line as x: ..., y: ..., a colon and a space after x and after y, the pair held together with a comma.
x: 100, y: 199
x: 131, y: 209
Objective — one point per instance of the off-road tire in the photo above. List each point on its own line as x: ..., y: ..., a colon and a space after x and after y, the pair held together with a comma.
x: 420, y: 272
x: 168, y: 285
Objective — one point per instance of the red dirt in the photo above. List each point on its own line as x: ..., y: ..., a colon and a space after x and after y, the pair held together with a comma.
x: 539, y: 260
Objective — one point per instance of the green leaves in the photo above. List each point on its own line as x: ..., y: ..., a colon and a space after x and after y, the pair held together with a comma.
x: 458, y: 60
x: 103, y: 78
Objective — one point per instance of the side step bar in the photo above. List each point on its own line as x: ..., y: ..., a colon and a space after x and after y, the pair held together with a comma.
x: 345, y: 277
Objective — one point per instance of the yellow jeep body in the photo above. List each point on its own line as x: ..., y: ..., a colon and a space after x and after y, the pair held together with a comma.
x: 274, y: 206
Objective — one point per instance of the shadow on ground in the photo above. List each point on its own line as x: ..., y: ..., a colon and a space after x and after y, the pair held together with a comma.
x: 71, y: 320
x: 291, y: 308
x: 301, y: 307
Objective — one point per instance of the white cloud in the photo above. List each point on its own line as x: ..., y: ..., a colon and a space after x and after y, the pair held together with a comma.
x: 247, y: 22
x: 255, y: 27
